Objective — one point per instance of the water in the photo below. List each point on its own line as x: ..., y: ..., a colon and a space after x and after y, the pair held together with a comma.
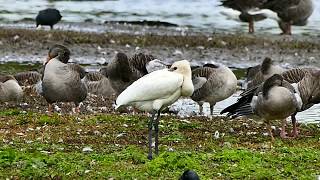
x: 187, y: 107
x: 199, y: 14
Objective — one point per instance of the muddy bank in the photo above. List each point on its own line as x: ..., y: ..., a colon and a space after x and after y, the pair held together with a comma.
x: 233, y: 50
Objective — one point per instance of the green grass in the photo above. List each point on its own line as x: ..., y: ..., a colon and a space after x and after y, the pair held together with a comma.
x: 40, y: 146
x: 13, y: 67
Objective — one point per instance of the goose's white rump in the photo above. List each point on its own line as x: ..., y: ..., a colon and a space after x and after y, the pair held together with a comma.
x: 153, y: 91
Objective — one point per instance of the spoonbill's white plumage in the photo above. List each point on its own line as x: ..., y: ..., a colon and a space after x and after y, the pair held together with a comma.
x: 157, y: 90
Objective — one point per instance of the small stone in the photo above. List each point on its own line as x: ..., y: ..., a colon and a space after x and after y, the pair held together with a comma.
x: 177, y: 52
x: 227, y: 144
x: 87, y: 149
x: 216, y: 135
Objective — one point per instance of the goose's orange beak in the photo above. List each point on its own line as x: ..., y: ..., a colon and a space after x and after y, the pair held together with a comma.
x: 48, y: 59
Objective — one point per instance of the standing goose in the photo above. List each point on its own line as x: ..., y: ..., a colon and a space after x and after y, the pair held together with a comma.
x: 239, y: 11
x: 61, y: 82
x: 48, y: 17
x: 305, y: 83
x: 212, y: 84
x: 267, y: 69
x: 157, y: 90
x: 287, y: 12
x: 10, y: 90
x: 123, y: 71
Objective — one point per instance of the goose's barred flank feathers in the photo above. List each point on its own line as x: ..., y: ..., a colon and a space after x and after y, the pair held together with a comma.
x: 202, y: 72
x: 139, y: 61
x: 28, y: 78
x: 294, y: 75
x: 94, y: 76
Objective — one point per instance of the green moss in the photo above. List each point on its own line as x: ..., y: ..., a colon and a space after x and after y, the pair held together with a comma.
x: 42, y: 146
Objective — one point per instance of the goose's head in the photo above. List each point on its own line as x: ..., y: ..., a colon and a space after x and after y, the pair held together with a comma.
x: 266, y: 64
x: 182, y: 67
x: 60, y: 52
x: 122, y: 60
x: 274, y: 80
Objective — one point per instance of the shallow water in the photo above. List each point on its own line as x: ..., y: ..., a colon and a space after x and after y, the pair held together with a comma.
x: 187, y: 107
x: 200, y: 14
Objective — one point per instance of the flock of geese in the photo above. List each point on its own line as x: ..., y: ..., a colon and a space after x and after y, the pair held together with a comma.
x: 151, y: 85
x: 285, y: 12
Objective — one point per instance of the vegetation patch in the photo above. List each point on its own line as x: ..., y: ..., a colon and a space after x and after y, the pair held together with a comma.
x: 36, y: 145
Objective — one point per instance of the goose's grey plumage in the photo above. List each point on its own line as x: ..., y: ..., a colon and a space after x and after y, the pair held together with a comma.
x: 212, y: 84
x: 10, y: 89
x: 243, y: 6
x: 306, y: 84
x: 290, y: 12
x: 62, y: 82
x: 98, y: 83
x: 267, y: 69
x: 123, y: 71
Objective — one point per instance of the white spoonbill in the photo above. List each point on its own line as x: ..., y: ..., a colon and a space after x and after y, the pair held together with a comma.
x: 157, y: 90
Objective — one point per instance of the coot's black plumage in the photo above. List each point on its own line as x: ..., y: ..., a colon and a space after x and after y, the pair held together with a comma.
x: 48, y: 17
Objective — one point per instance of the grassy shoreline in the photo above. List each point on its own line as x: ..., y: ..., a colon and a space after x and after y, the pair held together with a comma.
x: 115, y: 146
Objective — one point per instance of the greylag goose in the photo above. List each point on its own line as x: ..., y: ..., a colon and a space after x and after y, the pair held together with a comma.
x: 123, y: 71
x: 267, y: 69
x: 48, y: 17
x: 10, y: 89
x: 305, y: 83
x: 212, y: 84
x: 157, y: 90
x: 240, y: 11
x: 287, y: 12
x: 61, y: 82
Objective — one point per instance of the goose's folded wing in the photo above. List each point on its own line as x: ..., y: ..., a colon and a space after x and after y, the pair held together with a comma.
x: 156, y: 85
x: 78, y: 69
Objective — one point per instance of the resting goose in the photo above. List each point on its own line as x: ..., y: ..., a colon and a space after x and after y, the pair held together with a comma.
x: 305, y: 83
x: 287, y: 12
x: 157, y: 90
x: 61, y: 82
x: 267, y: 69
x: 239, y: 11
x: 10, y: 89
x: 123, y: 71
x: 212, y: 84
